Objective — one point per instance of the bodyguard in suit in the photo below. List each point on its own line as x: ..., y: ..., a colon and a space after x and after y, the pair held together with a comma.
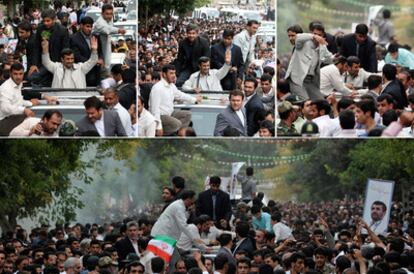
x: 226, y: 244
x: 129, y: 244
x: 253, y: 105
x: 244, y: 241
x: 99, y: 121
x: 394, y: 87
x: 26, y: 40
x: 189, y: 52
x: 80, y: 43
x: 237, y: 64
x: 58, y: 38
x: 214, y: 202
x: 361, y: 45
x: 233, y: 116
x: 303, y: 73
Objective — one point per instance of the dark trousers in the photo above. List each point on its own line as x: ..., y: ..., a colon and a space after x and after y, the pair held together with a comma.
x: 43, y: 78
x: 182, y: 77
x: 9, y: 123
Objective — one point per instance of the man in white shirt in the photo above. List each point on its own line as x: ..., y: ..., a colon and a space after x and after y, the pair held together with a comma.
x: 331, y: 78
x: 347, y: 123
x: 35, y: 127
x: 67, y: 74
x: 282, y: 231
x: 201, y: 225
x: 13, y: 109
x: 355, y: 76
x: 161, y: 103
x: 112, y: 102
x: 146, y: 122
x: 207, y: 79
x: 246, y: 40
x: 327, y: 126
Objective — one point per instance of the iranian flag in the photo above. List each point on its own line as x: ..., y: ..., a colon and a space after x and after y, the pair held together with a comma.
x: 162, y: 246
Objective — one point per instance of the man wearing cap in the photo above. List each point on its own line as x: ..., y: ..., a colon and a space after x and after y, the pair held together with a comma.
x: 331, y: 78
x: 207, y: 79
x: 288, y: 116
x: 218, y: 52
x: 189, y: 52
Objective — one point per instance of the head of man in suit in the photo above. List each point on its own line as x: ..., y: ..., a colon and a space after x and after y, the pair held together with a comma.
x: 93, y: 108
x: 292, y: 31
x: 168, y: 74
x: 250, y: 85
x: 192, y: 32
x: 107, y: 12
x: 361, y: 33
x: 228, y: 36
x: 67, y: 58
x: 266, y: 83
x: 24, y: 30
x: 132, y: 230
x: 236, y: 99
x: 167, y: 194
x: 49, y: 18
x: 86, y: 25
x: 178, y: 183
x: 378, y: 210
x: 204, y: 65
x: 317, y: 28
x: 385, y: 102
x: 111, y: 98
x: 215, y: 182
x: 252, y: 26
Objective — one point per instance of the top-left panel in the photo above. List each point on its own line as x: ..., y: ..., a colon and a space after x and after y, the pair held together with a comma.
x: 68, y: 69
x: 206, y: 68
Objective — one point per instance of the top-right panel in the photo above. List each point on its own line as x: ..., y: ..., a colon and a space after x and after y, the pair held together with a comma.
x: 345, y: 68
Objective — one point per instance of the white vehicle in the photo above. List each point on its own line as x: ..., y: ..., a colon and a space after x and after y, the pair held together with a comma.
x: 246, y: 15
x: 117, y: 58
x: 94, y: 13
x: 206, y: 13
x: 131, y: 25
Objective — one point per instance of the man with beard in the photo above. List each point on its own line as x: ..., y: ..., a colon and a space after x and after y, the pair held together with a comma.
x: 67, y: 74
x: 32, y: 126
x: 378, y: 210
x: 112, y: 102
x: 214, y: 202
x: 201, y: 225
x: 168, y: 195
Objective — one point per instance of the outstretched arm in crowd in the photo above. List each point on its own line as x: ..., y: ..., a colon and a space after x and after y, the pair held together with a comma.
x: 329, y: 237
x: 49, y: 65
x: 374, y: 238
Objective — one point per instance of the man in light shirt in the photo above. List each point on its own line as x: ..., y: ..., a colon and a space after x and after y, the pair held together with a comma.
x: 161, y: 103
x: 246, y: 40
x: 331, y: 78
x: 146, y: 122
x: 207, y: 79
x: 327, y: 126
x: 355, y: 76
x: 32, y: 126
x: 112, y: 102
x: 201, y: 225
x: 282, y: 231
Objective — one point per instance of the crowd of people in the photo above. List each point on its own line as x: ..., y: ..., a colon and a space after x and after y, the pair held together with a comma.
x: 214, y: 235
x: 61, y: 47
x: 346, y: 85
x: 178, y: 57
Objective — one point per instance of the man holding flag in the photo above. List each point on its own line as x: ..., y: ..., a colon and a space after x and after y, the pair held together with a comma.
x: 169, y: 227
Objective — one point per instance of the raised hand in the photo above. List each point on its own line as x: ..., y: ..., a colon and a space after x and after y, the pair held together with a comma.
x: 94, y: 43
x: 227, y: 57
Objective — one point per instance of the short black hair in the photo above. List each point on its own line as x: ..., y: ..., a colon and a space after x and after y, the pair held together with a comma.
x: 393, y: 47
x: 367, y: 105
x: 347, y: 119
x: 276, y: 217
x: 16, y: 66
x: 266, y: 77
x: 255, y: 209
x: 50, y: 112
x: 157, y: 265
x: 386, y: 14
x: 178, y: 182
x: 87, y: 20
x: 49, y: 13
x: 249, y: 171
x: 389, y: 116
x: 93, y: 102
x: 203, y: 59
x: 242, y: 229
x: 220, y: 261
x: 252, y: 22
x: 251, y: 79
x: 374, y: 81
x: 344, y: 103
x: 361, y: 29
x: 353, y: 60
x: 167, y: 67
x: 387, y: 97
x: 297, y: 256
x: 269, y: 125
x: 389, y: 71
x: 236, y: 92
x: 66, y: 52
x: 107, y: 7
x: 129, y: 76
x: 187, y: 194
x: 269, y: 70
x: 224, y: 239
x: 316, y: 25
x: 295, y: 29
x: 25, y: 25
x: 322, y: 104
x: 228, y: 33
x: 215, y: 180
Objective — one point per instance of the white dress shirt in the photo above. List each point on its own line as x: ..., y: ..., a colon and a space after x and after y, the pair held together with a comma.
x: 99, y: 124
x: 241, y: 116
x: 125, y: 119
x: 358, y: 80
x: 186, y: 243
x: 146, y: 124
x: 11, y: 99
x: 209, y: 82
x: 247, y: 45
x: 161, y: 101
x: 23, y: 130
x: 282, y: 231
x: 331, y: 80
x: 326, y: 125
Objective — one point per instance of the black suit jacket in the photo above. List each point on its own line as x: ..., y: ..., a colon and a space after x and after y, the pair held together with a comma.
x: 396, y: 90
x: 28, y: 45
x: 247, y: 245
x: 223, y: 206
x: 188, y: 53
x: 124, y: 247
x: 367, y: 52
x: 58, y: 40
x: 331, y: 40
x: 127, y: 95
x: 82, y: 54
x: 217, y: 61
x: 253, y: 107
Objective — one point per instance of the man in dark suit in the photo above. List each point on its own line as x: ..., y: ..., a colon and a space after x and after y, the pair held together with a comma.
x: 217, y: 60
x: 129, y: 244
x: 26, y: 41
x: 127, y: 91
x: 394, y: 87
x: 58, y: 37
x: 81, y: 46
x: 361, y: 45
x: 253, y: 105
x: 214, y: 202
x: 226, y: 243
x: 234, y: 116
x: 244, y: 242
x: 99, y: 121
x: 189, y: 52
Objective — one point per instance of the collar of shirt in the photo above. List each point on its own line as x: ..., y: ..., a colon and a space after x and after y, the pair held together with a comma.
x: 165, y: 83
x: 13, y: 83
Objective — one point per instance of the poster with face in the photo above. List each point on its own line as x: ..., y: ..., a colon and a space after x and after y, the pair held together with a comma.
x: 378, y: 202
